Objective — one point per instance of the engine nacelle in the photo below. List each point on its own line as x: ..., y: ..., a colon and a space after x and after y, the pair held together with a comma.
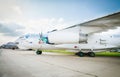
x: 66, y: 37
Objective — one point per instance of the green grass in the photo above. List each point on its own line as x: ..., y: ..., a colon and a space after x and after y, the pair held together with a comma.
x: 110, y: 54
x: 105, y: 53
x: 59, y: 51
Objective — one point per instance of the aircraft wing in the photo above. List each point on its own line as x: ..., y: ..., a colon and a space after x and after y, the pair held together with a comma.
x: 99, y: 25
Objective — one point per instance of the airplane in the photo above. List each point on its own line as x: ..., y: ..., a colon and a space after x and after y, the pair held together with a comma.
x: 85, y: 38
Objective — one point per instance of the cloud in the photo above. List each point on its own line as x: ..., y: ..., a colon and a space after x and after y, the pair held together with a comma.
x: 11, y: 29
x: 10, y: 9
x: 42, y: 24
x: 17, y: 9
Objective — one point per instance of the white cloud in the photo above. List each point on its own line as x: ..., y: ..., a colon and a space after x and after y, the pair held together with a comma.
x: 6, y: 9
x: 11, y: 12
x: 45, y: 24
x: 17, y: 9
x: 60, y: 20
x: 10, y: 29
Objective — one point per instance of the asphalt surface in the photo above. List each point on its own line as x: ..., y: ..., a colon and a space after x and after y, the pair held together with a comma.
x: 16, y: 63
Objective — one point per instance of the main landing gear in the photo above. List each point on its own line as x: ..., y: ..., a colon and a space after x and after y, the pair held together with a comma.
x: 38, y: 52
x: 81, y: 54
x: 91, y: 54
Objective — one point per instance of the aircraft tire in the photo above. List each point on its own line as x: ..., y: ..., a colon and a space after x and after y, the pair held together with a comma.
x: 13, y: 48
x: 38, y: 52
x: 91, y: 54
x: 81, y: 54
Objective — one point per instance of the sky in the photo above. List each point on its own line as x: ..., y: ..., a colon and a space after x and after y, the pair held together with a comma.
x: 19, y: 17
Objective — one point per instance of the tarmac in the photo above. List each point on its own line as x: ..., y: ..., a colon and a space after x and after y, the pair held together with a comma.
x: 17, y: 63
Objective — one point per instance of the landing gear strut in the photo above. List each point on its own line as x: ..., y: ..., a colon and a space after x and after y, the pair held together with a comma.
x: 38, y: 52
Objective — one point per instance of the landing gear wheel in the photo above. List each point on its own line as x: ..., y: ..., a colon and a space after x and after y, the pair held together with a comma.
x: 38, y: 52
x: 13, y: 48
x: 91, y: 54
x: 81, y: 54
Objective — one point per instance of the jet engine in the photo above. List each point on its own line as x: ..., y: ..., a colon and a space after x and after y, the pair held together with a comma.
x: 66, y: 37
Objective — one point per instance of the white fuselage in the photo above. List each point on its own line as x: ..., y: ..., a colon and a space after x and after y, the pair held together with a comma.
x: 94, y: 42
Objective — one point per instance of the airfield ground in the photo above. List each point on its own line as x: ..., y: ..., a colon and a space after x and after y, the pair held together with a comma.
x: 16, y: 63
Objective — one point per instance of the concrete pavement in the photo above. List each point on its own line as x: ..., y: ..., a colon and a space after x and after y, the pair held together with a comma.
x: 16, y: 63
